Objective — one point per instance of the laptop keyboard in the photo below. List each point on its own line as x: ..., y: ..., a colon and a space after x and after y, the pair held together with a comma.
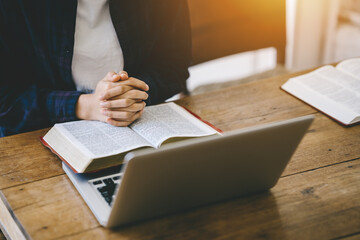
x: 106, y: 186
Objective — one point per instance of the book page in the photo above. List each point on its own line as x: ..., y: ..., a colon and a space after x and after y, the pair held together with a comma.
x: 99, y: 139
x: 337, y: 86
x: 338, y: 78
x: 351, y: 67
x: 161, y: 122
x: 329, y: 90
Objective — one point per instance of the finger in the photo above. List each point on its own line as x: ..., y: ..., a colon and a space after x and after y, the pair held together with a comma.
x: 136, y: 83
x: 136, y: 107
x: 115, y: 91
x: 112, y: 77
x: 118, y: 115
x: 117, y: 123
x: 118, y: 103
x: 131, y: 119
x: 123, y: 75
x: 135, y: 95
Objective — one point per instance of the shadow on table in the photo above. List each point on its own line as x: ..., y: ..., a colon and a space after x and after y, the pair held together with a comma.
x: 2, y: 237
x: 254, y: 217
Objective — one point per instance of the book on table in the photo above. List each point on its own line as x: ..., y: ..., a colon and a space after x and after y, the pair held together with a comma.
x: 334, y: 91
x: 92, y: 145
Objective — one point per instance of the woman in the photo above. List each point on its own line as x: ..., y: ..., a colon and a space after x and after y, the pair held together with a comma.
x: 89, y: 59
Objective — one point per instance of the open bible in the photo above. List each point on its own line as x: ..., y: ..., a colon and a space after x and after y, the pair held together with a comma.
x: 333, y: 90
x: 91, y: 145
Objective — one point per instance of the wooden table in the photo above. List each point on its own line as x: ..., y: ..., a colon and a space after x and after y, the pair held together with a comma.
x: 317, y: 197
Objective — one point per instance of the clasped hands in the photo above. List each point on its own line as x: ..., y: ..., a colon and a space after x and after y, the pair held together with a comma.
x: 118, y: 100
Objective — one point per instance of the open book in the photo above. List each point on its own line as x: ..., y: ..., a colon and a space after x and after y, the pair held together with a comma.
x: 333, y: 90
x: 91, y: 145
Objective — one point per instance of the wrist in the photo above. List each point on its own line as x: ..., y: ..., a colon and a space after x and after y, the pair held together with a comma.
x: 83, y: 107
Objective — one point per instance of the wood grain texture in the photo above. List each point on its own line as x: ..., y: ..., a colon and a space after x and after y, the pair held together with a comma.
x: 355, y: 236
x: 24, y: 159
x: 319, y: 204
x: 9, y: 224
x: 248, y: 104
x: 50, y: 208
x: 326, y: 142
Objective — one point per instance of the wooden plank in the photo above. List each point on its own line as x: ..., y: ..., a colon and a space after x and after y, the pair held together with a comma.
x: 326, y: 142
x: 320, y: 204
x: 50, y: 208
x: 352, y: 237
x: 9, y: 225
x: 248, y: 104
x: 24, y: 159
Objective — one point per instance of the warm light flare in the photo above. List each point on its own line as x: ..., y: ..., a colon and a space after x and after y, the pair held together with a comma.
x: 226, y: 27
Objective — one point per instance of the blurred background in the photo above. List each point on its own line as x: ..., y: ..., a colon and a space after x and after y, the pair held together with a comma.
x: 237, y: 41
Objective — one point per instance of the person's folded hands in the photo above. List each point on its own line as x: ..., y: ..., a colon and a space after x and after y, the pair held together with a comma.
x: 117, y: 100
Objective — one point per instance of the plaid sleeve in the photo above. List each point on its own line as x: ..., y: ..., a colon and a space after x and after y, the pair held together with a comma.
x: 33, y: 100
x: 22, y: 111
x: 61, y: 105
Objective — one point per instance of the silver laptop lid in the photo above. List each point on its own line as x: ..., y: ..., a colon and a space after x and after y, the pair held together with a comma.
x: 197, y: 172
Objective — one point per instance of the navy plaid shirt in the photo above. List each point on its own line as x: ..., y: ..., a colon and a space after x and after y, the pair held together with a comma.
x: 36, y: 47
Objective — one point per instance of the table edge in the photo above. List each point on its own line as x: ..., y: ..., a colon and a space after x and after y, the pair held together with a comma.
x: 9, y: 224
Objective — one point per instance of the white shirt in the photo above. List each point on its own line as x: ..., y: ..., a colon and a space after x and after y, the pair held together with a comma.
x: 97, y: 50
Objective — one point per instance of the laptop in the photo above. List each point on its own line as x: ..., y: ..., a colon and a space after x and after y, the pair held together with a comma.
x: 191, y: 173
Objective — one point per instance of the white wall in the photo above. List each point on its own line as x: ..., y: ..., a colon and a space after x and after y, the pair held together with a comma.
x: 310, y: 26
